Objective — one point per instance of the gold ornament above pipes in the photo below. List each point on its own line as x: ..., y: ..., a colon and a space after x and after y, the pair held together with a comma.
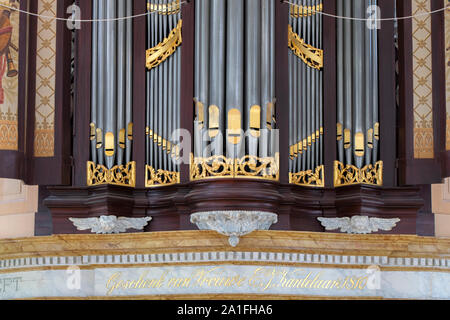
x: 123, y: 175
x: 250, y: 167
x: 313, y: 57
x: 299, y: 11
x: 173, y: 7
x: 158, y: 54
x: 350, y: 175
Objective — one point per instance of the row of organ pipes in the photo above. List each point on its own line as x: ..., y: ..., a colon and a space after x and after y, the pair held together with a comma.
x: 163, y: 88
x: 112, y: 82
x: 357, y: 84
x: 234, y: 79
x: 357, y: 87
x: 305, y: 90
x: 234, y: 83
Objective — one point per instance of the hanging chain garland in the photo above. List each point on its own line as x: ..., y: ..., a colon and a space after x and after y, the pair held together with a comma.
x: 164, y: 11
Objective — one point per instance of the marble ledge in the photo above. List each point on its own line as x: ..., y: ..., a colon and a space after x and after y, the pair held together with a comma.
x: 183, y: 241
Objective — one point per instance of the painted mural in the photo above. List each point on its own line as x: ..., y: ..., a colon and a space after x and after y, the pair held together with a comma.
x: 9, y: 66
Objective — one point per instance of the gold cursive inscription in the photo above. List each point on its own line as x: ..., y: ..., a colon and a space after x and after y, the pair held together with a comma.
x: 260, y: 279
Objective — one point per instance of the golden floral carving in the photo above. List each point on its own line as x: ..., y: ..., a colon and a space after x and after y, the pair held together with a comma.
x: 159, y: 178
x: 309, y: 178
x: 158, y: 54
x: 123, y: 175
x: 313, y: 57
x: 250, y: 167
x: 349, y: 174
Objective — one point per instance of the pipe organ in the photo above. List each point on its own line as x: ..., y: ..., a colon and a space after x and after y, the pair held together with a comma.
x: 111, y: 128
x: 164, y: 37
x: 290, y: 110
x: 234, y: 95
x: 306, y: 93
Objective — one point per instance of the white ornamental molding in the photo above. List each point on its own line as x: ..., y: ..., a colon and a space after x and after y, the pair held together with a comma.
x: 234, y: 224
x: 110, y: 224
x: 358, y: 224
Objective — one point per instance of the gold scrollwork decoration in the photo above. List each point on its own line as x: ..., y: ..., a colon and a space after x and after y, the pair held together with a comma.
x: 313, y: 57
x: 309, y: 178
x: 250, y: 167
x: 256, y: 167
x: 159, y: 178
x: 211, y: 167
x: 299, y: 11
x: 158, y: 54
x: 165, y: 9
x: 345, y: 175
x: 120, y: 175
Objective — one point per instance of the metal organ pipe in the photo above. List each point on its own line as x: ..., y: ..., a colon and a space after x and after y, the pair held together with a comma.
x: 111, y: 84
x: 375, y: 103
x: 266, y: 97
x: 95, y: 82
x: 340, y: 81
x: 216, y: 78
x: 101, y: 93
x: 357, y: 69
x: 234, y: 80
x: 368, y: 91
x: 121, y: 94
x: 252, y: 71
x: 348, y: 98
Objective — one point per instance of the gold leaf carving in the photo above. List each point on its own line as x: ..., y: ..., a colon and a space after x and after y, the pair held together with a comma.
x: 313, y: 57
x: 157, y: 55
x: 308, y: 178
x: 160, y: 177
x: 251, y: 167
x: 123, y: 175
x: 349, y: 174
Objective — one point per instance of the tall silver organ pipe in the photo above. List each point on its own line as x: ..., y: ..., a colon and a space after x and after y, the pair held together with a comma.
x: 111, y: 108
x: 234, y: 79
x: 164, y: 38
x: 357, y: 86
x: 306, y: 89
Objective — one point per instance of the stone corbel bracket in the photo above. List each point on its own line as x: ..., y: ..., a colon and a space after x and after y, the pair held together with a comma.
x: 358, y: 224
x: 110, y: 224
x: 234, y: 224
